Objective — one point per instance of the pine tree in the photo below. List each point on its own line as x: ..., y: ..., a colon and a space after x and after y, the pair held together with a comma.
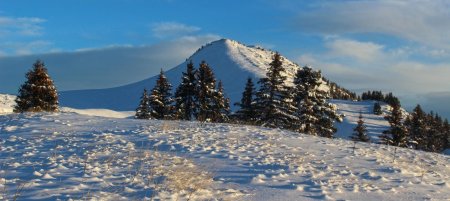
x: 397, y: 133
x: 247, y: 111
x: 221, y: 105
x: 143, y: 110
x: 316, y: 115
x: 206, y: 85
x: 377, y: 108
x: 38, y: 93
x: 185, y: 95
x: 273, y: 99
x: 360, y: 131
x: 417, y: 128
x: 161, y: 98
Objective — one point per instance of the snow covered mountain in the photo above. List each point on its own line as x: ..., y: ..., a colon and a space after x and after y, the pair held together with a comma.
x: 231, y: 61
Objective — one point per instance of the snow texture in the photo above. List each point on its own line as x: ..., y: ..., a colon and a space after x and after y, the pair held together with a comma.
x: 51, y: 156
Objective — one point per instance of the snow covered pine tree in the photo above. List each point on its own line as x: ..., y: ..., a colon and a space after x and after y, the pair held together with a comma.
x: 38, y: 93
x: 221, y: 105
x: 316, y: 115
x: 360, y: 131
x: 161, y: 98
x: 396, y: 135
x: 206, y: 91
x: 185, y: 95
x: 247, y: 112
x: 273, y: 99
x: 143, y: 110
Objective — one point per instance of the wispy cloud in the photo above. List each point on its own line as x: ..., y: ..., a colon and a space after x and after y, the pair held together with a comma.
x: 425, y: 22
x: 23, y: 26
x: 22, y: 36
x: 172, y: 29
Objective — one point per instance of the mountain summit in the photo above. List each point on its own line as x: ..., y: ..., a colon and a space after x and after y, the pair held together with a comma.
x: 231, y: 61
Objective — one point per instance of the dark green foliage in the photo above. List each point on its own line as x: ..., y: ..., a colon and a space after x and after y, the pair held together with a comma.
x: 143, y: 110
x: 338, y: 92
x: 397, y: 134
x: 377, y: 108
x: 247, y: 111
x: 417, y: 127
x: 360, y: 131
x: 206, y: 92
x: 378, y: 96
x: 38, y: 93
x: 221, y: 105
x: 273, y: 99
x: 161, y: 99
x: 185, y: 95
x: 316, y: 115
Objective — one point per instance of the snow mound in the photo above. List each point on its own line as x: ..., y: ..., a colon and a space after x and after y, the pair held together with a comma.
x: 7, y: 103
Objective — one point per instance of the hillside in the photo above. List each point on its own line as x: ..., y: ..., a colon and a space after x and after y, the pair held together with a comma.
x: 231, y: 61
x: 71, y: 156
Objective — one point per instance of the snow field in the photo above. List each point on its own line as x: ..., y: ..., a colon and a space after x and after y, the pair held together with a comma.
x: 71, y: 156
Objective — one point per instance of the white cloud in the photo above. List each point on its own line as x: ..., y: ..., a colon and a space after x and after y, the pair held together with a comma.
x: 362, y: 51
x: 425, y: 22
x: 172, y: 29
x: 23, y: 26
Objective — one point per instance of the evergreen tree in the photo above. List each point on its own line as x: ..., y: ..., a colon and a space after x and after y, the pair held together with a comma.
x: 161, y: 98
x: 360, y: 131
x: 38, y: 93
x: 377, y: 108
x: 143, y: 110
x: 247, y: 111
x: 397, y: 133
x: 221, y: 106
x: 185, y: 95
x: 316, y: 115
x: 206, y: 85
x: 273, y: 99
x: 417, y: 128
x: 447, y: 134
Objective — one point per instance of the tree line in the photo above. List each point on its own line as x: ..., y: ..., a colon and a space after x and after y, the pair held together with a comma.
x: 302, y: 107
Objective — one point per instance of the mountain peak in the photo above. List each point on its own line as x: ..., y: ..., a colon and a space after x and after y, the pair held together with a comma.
x: 231, y: 61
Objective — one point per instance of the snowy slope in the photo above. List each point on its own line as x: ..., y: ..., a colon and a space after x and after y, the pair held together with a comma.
x: 63, y: 156
x: 231, y: 61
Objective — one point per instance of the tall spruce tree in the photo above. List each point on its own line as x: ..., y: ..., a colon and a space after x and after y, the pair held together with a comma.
x: 221, y: 105
x: 38, y: 93
x: 397, y: 134
x: 247, y: 111
x: 206, y: 91
x: 377, y: 108
x: 316, y: 115
x: 360, y: 131
x: 143, y: 110
x: 417, y: 128
x: 185, y: 95
x: 161, y: 98
x: 273, y: 99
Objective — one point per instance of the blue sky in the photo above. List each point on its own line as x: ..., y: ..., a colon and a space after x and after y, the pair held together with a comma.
x: 401, y: 46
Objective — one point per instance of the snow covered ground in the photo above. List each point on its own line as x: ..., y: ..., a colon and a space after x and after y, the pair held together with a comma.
x: 7, y: 103
x: 66, y: 155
